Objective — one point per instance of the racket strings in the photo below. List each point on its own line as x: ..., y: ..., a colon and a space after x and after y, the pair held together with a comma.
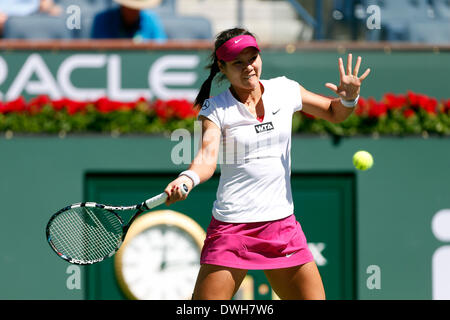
x: 69, y: 236
x: 90, y: 237
x: 86, y: 234
x: 105, y: 241
x: 89, y: 242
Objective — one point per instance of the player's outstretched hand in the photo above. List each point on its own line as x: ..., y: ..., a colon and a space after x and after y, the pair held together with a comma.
x: 350, y: 83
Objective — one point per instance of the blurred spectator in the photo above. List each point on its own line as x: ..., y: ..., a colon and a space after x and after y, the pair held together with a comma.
x: 132, y: 19
x: 20, y: 8
x: 49, y: 7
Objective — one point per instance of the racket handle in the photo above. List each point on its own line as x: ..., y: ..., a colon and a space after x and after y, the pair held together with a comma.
x: 156, y: 200
x: 161, y: 198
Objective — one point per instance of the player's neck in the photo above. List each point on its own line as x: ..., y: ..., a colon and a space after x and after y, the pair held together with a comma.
x: 249, y: 97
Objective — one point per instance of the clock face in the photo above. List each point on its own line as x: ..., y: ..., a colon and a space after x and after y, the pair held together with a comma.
x: 160, y: 262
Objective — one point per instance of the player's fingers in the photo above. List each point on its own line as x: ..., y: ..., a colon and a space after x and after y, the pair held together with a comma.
x: 170, y: 193
x: 358, y: 64
x: 181, y: 195
x: 341, y: 68
x: 365, y: 74
x: 332, y: 87
x: 349, y: 64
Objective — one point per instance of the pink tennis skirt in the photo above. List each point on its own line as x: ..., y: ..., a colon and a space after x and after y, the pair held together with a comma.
x: 257, y: 245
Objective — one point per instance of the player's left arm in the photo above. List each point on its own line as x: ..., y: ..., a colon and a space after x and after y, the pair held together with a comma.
x: 348, y: 90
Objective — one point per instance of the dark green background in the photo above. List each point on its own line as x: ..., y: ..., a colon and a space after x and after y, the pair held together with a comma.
x: 395, y: 202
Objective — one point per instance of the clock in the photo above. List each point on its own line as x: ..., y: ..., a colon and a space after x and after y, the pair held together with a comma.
x: 160, y: 257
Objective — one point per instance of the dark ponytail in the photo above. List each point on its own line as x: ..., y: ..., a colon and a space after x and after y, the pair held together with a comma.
x: 223, y: 37
x: 205, y: 89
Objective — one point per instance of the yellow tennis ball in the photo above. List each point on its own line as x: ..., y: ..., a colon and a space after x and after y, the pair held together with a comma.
x: 362, y: 160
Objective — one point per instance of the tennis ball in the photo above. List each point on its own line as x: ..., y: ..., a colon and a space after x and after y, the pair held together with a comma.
x: 362, y: 160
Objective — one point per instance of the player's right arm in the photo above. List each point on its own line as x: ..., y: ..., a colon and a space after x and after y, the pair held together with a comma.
x: 204, y: 163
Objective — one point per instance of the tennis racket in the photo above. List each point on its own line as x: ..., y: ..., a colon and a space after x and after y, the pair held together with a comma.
x: 89, y: 232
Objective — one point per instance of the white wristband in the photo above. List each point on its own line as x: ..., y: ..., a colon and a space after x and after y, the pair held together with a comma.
x: 191, y: 175
x: 351, y: 103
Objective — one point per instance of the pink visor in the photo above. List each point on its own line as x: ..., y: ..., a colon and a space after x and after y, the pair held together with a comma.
x: 231, y: 49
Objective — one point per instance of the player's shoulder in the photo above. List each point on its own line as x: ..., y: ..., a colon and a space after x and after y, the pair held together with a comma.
x: 218, y: 102
x: 277, y: 81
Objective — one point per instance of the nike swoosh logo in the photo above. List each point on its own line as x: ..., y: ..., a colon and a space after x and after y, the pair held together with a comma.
x: 275, y: 112
x: 289, y: 255
x: 237, y: 41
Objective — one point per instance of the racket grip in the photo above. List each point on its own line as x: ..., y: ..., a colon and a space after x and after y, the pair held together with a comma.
x: 161, y: 198
x: 156, y: 201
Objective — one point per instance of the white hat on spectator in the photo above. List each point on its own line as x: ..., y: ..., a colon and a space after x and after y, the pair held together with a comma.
x: 139, y: 4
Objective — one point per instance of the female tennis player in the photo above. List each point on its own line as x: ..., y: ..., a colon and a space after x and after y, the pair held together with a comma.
x: 253, y: 225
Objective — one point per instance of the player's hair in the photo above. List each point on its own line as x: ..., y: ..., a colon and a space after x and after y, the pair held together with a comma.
x: 221, y: 38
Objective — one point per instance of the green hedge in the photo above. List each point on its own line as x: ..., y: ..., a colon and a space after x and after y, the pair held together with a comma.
x: 408, y: 114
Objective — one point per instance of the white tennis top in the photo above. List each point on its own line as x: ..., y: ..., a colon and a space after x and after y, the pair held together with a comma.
x: 255, y: 158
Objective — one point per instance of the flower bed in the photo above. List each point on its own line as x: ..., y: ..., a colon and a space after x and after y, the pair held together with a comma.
x: 41, y: 115
x: 408, y: 114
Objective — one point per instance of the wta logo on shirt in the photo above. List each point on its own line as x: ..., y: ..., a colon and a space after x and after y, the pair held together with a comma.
x: 264, y: 127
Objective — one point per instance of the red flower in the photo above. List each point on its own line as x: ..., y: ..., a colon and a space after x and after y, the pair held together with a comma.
x: 104, y: 105
x: 430, y: 105
x: 161, y: 110
x: 413, y: 98
x: 58, y: 105
x: 18, y: 105
x: 141, y: 99
x: 424, y: 102
x: 446, y: 105
x: 395, y: 101
x: 71, y: 106
x: 376, y: 109
x: 408, y: 113
x: 362, y: 107
x: 181, y: 109
x: 36, y: 104
x: 74, y: 107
